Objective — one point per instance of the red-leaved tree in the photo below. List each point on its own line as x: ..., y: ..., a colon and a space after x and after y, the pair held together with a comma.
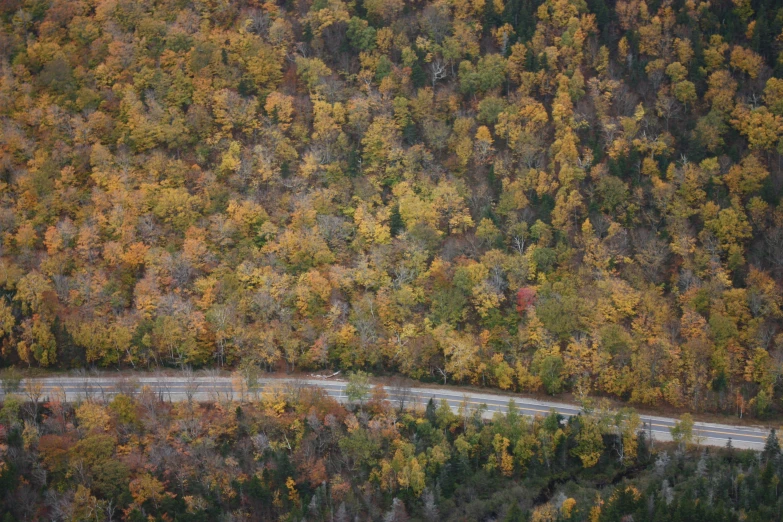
x: 526, y: 297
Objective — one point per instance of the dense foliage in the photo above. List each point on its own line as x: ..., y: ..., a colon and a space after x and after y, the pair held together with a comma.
x: 535, y: 195
x: 295, y: 454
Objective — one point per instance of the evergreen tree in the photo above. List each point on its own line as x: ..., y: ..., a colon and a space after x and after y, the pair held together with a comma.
x: 771, y: 447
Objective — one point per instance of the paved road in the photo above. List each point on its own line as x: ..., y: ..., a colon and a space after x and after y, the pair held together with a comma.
x: 211, y: 388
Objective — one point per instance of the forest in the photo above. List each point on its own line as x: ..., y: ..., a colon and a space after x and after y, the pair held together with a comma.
x: 555, y: 196
x: 295, y: 454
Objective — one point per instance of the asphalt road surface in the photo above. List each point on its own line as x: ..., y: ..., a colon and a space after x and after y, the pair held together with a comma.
x: 216, y: 388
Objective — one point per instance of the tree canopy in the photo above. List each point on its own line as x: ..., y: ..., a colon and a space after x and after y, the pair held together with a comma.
x: 543, y: 195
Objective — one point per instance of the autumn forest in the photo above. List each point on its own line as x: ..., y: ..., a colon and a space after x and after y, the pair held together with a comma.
x: 556, y: 196
x: 541, y: 196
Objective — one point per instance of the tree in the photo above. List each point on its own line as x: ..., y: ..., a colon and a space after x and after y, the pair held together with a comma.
x: 761, y: 127
x: 358, y: 387
x: 38, y: 343
x: 721, y: 92
x: 525, y: 299
x: 280, y: 110
x: 400, y: 391
x: 589, y: 442
x: 383, y: 11
x: 461, y: 353
x: 682, y: 431
x: 551, y: 373
x: 486, y: 75
x: 746, y: 60
x: 31, y: 291
x: 483, y: 146
x: 627, y: 423
x: 771, y: 447
x: 773, y: 95
x: 93, y: 417
x: 147, y: 488
x: 747, y: 177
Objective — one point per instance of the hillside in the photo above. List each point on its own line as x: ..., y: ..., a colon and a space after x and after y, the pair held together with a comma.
x: 536, y: 196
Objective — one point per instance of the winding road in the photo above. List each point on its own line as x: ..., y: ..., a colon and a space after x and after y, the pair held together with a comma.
x: 185, y: 386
